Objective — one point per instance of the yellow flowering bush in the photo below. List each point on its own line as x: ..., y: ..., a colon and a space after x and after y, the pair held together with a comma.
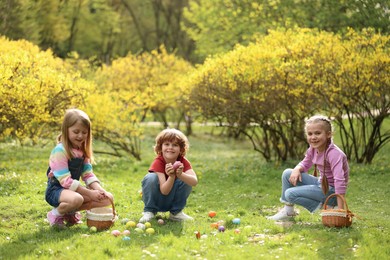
x: 265, y: 90
x: 131, y: 88
x: 35, y: 89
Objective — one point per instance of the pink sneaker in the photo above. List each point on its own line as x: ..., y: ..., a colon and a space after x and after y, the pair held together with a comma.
x: 54, y: 220
x: 73, y: 218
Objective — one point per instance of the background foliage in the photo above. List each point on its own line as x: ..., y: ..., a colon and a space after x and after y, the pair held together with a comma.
x: 266, y: 90
x: 35, y: 89
x: 261, y: 68
x: 131, y: 88
x: 194, y: 29
x: 217, y: 26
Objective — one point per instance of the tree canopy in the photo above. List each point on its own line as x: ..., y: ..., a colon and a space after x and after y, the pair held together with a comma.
x: 217, y: 26
x: 193, y: 29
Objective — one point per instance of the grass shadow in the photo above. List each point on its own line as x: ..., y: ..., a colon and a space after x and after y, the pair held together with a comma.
x: 28, y: 244
x: 330, y: 243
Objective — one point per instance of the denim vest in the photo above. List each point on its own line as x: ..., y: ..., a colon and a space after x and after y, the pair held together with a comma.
x: 75, y: 166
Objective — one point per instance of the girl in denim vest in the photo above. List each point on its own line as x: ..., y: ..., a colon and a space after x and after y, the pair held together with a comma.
x: 69, y: 161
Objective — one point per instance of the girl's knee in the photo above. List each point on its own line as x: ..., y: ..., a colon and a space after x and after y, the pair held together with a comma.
x: 286, y: 173
x: 76, y: 200
x: 108, y: 201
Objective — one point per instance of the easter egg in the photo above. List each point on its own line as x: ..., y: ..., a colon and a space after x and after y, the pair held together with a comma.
x: 221, y: 229
x: 221, y: 222
x: 160, y: 221
x: 248, y: 228
x: 176, y: 165
x: 147, y: 225
x: 214, y: 225
x: 197, y: 234
x: 85, y: 228
x: 237, y: 231
x: 139, y: 230
x: 124, y: 221
x: 93, y: 229
x: 229, y: 218
x: 212, y: 214
x: 115, y: 233
x: 130, y: 224
x: 126, y: 238
x: 150, y: 231
x: 141, y: 226
x: 126, y: 232
x: 236, y: 221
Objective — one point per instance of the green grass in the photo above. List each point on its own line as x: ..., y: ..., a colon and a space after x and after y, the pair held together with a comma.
x: 234, y: 182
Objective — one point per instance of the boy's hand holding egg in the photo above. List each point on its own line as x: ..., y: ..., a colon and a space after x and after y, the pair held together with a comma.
x: 176, y: 166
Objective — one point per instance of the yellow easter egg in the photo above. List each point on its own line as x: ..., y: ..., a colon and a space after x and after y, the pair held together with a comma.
x: 148, y: 225
x: 150, y: 231
x: 130, y: 224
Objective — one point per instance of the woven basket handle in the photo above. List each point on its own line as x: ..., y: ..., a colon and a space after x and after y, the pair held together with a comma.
x: 113, y: 209
x: 337, y: 195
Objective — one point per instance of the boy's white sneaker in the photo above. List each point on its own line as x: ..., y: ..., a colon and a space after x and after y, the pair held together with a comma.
x: 181, y: 216
x: 282, y: 215
x: 147, y: 216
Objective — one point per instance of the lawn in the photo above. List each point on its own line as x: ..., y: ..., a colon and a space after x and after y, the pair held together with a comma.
x: 235, y: 182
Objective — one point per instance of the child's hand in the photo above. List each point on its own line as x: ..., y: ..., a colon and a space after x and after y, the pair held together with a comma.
x: 295, y: 177
x: 169, y: 169
x: 179, y: 169
x: 176, y: 165
x: 107, y: 195
x: 98, y: 195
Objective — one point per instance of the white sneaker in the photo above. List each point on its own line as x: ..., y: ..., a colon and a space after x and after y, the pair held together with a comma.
x: 147, y: 216
x: 282, y: 215
x: 179, y: 216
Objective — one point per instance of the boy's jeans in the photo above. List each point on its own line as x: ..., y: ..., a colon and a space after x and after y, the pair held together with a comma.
x: 155, y: 201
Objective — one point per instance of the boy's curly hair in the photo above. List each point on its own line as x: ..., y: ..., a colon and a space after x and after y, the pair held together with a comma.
x: 172, y: 135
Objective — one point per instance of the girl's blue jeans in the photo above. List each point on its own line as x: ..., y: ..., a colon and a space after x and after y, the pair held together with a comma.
x: 155, y: 201
x: 307, y: 193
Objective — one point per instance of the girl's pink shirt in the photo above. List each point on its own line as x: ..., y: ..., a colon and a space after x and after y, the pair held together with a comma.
x: 336, y: 170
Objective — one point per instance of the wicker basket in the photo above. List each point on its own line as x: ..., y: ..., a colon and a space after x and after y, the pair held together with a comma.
x: 101, y: 218
x: 336, y: 217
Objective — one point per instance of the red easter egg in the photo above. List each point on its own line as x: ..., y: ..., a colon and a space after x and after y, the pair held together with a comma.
x: 212, y: 214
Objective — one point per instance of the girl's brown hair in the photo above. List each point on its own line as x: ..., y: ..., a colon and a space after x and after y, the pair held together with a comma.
x: 72, y: 116
x: 327, y: 124
x: 172, y: 135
